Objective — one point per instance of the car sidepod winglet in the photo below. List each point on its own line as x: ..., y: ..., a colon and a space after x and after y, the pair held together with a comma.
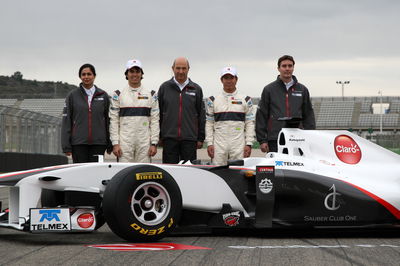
x: 265, y: 180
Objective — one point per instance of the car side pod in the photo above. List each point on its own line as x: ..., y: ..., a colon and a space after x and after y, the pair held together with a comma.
x: 265, y: 192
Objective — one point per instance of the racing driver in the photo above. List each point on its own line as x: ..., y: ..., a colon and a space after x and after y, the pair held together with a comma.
x: 229, y: 122
x: 134, y: 118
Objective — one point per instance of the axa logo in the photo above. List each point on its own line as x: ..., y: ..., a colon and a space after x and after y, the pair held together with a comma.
x: 347, y: 150
x: 330, y: 201
x: 49, y: 215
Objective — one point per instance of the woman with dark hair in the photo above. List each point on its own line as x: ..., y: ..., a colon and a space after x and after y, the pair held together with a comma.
x: 85, y: 123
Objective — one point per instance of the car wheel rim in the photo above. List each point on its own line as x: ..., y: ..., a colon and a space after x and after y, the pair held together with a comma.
x: 150, y: 203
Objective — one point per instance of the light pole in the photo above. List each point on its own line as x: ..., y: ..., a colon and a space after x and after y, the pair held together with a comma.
x: 381, y: 112
x: 342, y: 83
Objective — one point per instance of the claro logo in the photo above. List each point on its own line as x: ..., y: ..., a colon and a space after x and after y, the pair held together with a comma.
x: 347, y: 150
x: 85, y: 220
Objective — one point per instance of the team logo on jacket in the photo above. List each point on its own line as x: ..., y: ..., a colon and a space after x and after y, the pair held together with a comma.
x: 347, y: 150
x: 231, y: 219
x: 265, y: 186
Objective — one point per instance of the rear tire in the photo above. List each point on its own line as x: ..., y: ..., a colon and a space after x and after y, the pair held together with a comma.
x: 142, y: 203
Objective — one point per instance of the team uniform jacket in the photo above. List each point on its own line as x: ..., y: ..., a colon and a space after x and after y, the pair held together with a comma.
x: 182, y: 114
x: 134, y: 116
x: 229, y: 125
x: 227, y: 114
x: 84, y: 124
x: 277, y: 102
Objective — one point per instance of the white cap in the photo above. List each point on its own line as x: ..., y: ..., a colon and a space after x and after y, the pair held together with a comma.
x: 229, y: 70
x: 133, y: 63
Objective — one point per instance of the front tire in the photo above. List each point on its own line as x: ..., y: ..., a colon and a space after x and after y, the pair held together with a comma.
x: 142, y: 203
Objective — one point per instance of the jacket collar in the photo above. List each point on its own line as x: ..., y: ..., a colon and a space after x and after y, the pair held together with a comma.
x: 189, y: 85
x: 97, y: 92
x: 278, y: 79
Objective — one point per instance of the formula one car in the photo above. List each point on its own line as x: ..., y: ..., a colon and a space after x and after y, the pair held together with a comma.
x: 317, y: 179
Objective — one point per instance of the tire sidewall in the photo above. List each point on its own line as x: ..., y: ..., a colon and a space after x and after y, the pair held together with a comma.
x: 117, y: 204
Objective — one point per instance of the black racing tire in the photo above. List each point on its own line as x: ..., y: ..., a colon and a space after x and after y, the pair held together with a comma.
x: 142, y: 203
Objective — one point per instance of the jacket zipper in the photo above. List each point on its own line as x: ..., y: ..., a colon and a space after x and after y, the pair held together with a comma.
x: 180, y: 115
x: 89, y: 121
x: 287, y: 105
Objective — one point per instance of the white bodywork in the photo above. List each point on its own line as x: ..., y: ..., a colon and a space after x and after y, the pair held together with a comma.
x: 377, y: 172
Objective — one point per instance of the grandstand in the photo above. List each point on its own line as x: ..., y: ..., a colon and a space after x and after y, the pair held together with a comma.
x: 51, y: 107
x: 330, y: 112
x: 8, y: 102
x: 355, y: 113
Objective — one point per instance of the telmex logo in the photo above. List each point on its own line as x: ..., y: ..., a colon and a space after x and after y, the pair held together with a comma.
x: 347, y: 150
x: 49, y: 215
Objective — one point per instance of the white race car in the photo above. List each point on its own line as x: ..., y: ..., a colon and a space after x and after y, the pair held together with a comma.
x: 317, y: 179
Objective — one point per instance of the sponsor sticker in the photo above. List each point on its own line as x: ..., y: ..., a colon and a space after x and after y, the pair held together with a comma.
x: 296, y: 140
x: 46, y: 220
x: 85, y: 220
x: 266, y: 169
x: 283, y: 163
x: 143, y: 97
x: 265, y: 186
x: 331, y: 202
x: 149, y: 175
x: 232, y: 218
x: 236, y: 102
x: 347, y: 150
x: 331, y: 218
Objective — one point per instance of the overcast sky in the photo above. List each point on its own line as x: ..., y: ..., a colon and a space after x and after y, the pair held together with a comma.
x: 330, y: 41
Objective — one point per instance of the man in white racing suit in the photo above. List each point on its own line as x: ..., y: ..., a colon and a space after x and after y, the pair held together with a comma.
x: 229, y: 122
x: 134, y: 118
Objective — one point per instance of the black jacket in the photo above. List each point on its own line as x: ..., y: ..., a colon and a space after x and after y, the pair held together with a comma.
x: 84, y: 125
x: 182, y: 114
x: 277, y: 102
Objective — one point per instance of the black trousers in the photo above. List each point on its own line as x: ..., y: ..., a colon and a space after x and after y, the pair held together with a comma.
x: 174, y: 151
x: 273, y: 145
x: 87, y: 153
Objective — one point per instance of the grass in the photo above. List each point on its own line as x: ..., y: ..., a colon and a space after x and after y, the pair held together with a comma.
x: 396, y: 150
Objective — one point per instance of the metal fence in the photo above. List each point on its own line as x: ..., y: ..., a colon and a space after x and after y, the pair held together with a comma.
x: 29, y: 132
x: 391, y: 141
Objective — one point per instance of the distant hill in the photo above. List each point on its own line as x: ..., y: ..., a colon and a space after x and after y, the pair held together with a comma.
x: 17, y: 87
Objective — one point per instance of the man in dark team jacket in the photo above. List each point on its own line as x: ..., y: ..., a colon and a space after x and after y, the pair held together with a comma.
x: 182, y: 115
x: 282, y: 99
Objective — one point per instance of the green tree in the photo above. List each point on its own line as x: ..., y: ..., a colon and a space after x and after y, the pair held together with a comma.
x: 17, y: 76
